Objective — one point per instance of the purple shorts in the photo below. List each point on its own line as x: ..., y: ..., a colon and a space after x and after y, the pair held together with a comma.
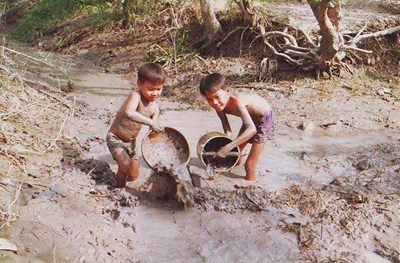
x: 265, y: 129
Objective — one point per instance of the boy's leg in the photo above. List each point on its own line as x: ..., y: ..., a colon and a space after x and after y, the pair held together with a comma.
x: 134, y: 167
x: 134, y: 170
x: 252, y: 160
x: 124, y: 163
x: 241, y: 148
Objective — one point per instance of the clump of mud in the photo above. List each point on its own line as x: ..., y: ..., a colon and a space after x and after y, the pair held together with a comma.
x: 251, y: 198
x: 121, y: 208
x: 183, y: 182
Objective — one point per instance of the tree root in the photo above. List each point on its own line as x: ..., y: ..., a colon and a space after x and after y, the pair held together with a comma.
x: 323, y: 53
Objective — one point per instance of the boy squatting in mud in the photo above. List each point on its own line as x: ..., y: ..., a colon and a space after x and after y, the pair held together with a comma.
x: 139, y: 108
x: 255, y: 112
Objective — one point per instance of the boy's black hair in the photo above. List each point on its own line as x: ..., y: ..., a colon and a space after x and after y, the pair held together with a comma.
x: 212, y: 83
x: 152, y: 73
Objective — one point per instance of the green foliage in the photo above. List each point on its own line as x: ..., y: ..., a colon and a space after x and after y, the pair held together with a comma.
x: 43, y: 17
x: 102, y: 18
x: 142, y: 7
x: 48, y: 14
x: 176, y: 53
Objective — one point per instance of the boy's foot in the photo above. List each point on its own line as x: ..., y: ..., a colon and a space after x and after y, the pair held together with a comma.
x: 120, y: 181
x: 131, y: 179
x: 250, y: 178
x: 120, y: 185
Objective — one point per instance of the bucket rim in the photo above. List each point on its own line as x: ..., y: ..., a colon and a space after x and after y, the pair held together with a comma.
x: 221, y: 135
x: 175, y: 130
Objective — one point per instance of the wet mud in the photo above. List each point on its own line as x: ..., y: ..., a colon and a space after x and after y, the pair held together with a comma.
x: 330, y: 195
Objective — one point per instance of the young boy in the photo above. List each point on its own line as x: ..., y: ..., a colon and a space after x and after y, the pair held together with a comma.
x: 254, y: 111
x: 139, y: 108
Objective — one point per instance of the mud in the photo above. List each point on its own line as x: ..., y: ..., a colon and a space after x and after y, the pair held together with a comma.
x: 167, y: 153
x: 184, y: 191
x: 329, y: 194
x: 250, y: 198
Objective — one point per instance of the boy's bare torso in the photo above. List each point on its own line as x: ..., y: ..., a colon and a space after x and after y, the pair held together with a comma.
x: 257, y: 106
x: 125, y: 128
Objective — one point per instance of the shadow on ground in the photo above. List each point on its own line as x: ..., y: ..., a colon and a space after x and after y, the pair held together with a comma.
x: 100, y: 171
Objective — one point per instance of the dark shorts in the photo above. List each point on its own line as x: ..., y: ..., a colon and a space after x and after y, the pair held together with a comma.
x: 265, y: 129
x: 114, y: 143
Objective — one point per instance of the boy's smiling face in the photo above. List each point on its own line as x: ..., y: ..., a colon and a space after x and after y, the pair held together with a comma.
x: 218, y: 99
x: 150, y: 91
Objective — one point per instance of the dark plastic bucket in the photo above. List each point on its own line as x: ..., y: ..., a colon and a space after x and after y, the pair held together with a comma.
x: 210, y: 143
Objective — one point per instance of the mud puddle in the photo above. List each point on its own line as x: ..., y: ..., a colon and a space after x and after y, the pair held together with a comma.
x: 316, y: 197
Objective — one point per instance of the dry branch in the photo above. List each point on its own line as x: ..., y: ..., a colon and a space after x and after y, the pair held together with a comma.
x: 231, y: 33
x: 324, y: 54
x: 376, y: 34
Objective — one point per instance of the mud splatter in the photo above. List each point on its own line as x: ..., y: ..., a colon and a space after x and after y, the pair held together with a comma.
x: 184, y: 186
x: 250, y: 198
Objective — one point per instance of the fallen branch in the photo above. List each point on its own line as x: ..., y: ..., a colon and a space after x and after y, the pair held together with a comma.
x: 361, y: 30
x: 308, y: 38
x: 230, y: 34
x: 272, y: 48
x: 376, y: 34
x: 259, y: 85
x: 27, y: 56
x: 282, y: 34
x: 356, y: 49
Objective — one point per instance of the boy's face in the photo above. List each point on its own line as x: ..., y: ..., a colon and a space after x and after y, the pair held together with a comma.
x: 150, y: 91
x: 218, y: 99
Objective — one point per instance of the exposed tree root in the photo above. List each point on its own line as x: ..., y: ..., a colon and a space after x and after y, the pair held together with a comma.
x: 322, y: 53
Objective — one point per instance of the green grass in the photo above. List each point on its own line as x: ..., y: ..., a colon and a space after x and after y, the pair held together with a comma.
x: 48, y: 14
x: 173, y: 54
x: 42, y: 18
x: 102, y: 18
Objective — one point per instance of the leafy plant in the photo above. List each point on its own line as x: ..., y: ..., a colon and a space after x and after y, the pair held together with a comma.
x: 43, y: 17
x: 175, y: 53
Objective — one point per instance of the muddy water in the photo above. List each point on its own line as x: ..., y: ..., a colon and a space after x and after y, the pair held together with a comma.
x: 211, y: 236
x: 222, y: 229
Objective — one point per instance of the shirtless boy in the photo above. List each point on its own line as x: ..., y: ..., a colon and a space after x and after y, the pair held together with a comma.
x: 255, y: 112
x: 138, y: 109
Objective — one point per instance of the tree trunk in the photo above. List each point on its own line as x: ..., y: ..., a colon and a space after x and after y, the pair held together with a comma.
x: 212, y: 28
x: 246, y: 7
x: 328, y: 15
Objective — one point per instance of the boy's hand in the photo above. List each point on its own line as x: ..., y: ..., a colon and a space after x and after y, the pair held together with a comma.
x: 156, y: 128
x: 223, y: 152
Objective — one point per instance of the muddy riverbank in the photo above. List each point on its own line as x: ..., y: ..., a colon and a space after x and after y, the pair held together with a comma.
x: 327, y: 188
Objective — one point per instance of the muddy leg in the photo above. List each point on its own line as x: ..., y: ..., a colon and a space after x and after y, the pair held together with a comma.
x: 120, y: 179
x: 134, y: 170
x: 241, y: 157
x: 251, y: 162
x: 124, y: 163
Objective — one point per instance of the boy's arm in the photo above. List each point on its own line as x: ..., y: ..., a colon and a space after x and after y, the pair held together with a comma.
x: 250, y: 130
x: 132, y: 114
x: 156, y: 114
x: 154, y: 117
x: 225, y: 123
